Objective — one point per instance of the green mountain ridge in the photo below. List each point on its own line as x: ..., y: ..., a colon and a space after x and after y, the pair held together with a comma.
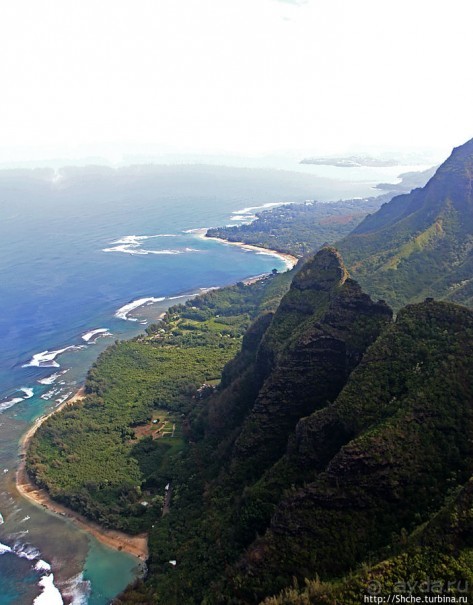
x: 420, y: 244
x: 317, y: 336
x: 403, y: 424
x: 334, y: 459
x: 347, y: 459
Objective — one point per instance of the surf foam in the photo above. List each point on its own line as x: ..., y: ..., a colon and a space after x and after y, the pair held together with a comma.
x: 28, y: 393
x: 92, y: 336
x: 26, y: 551
x: 132, y: 244
x: 251, y: 209
x: 63, y: 398
x: 51, y: 379
x: 50, y: 594
x: 9, y: 403
x: 50, y: 394
x: 46, y: 359
x: 124, y: 311
x: 42, y: 566
x: 77, y: 590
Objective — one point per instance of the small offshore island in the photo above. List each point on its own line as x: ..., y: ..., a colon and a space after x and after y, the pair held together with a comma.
x: 305, y: 437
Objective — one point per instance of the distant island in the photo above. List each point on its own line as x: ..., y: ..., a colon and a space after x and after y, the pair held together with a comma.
x: 352, y: 161
x: 304, y: 438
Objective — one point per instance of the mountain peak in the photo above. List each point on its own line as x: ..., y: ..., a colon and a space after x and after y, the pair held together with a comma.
x: 324, y: 272
x: 465, y: 148
x: 419, y: 244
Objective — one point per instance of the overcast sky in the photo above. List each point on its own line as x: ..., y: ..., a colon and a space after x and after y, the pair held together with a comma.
x: 233, y: 76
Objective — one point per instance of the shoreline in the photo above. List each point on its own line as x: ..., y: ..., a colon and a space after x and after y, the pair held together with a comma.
x: 133, y: 545
x: 289, y: 260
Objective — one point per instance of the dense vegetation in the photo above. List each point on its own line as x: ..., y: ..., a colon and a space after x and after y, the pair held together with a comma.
x: 301, y: 229
x: 330, y: 453
x: 376, y: 464
x: 373, y: 485
x: 91, y: 456
x: 420, y: 244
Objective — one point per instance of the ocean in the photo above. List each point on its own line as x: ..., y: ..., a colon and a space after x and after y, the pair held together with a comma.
x: 90, y: 255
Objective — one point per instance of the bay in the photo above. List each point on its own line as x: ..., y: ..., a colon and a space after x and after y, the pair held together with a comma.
x: 77, y: 245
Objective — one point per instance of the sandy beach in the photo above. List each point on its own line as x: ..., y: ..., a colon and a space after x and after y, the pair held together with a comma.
x: 289, y: 259
x: 134, y: 545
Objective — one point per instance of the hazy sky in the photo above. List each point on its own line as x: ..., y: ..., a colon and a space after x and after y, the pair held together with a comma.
x: 233, y: 76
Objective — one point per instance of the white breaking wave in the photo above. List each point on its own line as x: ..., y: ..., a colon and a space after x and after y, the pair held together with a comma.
x: 251, y: 209
x: 126, y: 249
x: 123, y: 312
x: 182, y: 296
x: 50, y: 394
x: 28, y: 393
x: 42, y: 566
x: 9, y: 403
x: 130, y: 239
x: 77, y: 590
x: 133, y: 239
x: 20, y: 534
x: 62, y: 399
x: 243, y: 217
x: 52, y: 377
x: 131, y: 244
x: 50, y: 594
x: 247, y: 215
x: 46, y: 359
x: 26, y: 551
x: 94, y: 334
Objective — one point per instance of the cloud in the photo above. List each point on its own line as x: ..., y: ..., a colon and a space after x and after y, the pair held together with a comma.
x: 334, y: 74
x: 294, y: 2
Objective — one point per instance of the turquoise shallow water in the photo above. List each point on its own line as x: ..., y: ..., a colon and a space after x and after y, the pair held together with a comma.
x: 104, y: 570
x: 76, y: 247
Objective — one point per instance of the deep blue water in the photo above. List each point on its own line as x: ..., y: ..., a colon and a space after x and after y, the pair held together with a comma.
x: 68, y: 263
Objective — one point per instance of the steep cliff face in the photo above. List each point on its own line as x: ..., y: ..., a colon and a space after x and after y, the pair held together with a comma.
x: 435, y: 560
x: 309, y: 375
x: 403, y: 423
x: 420, y: 244
x: 317, y: 336
x: 239, y: 388
x: 339, y: 448
x: 311, y: 290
